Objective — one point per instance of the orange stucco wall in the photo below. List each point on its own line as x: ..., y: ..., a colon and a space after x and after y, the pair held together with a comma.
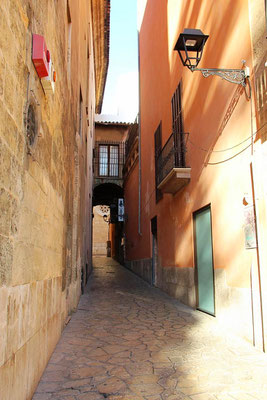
x: 109, y: 132
x: 133, y: 239
x: 217, y: 116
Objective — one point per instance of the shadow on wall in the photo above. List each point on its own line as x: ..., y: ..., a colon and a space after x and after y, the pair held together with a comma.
x: 207, y: 101
x: 210, y: 112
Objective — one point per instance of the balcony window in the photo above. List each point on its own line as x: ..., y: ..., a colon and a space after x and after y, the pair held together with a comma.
x: 171, y: 171
x: 177, y: 127
x: 108, y: 160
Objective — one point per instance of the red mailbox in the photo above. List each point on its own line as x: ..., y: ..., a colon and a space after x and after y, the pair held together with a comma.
x: 40, y: 56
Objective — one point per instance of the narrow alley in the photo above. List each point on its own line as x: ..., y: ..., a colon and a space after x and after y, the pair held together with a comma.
x: 130, y: 341
x: 133, y: 131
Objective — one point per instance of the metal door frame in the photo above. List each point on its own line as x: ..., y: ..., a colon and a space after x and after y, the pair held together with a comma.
x: 153, y: 274
x: 195, y: 213
x: 154, y: 237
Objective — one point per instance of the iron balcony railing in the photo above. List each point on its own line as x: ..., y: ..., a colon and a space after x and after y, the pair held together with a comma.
x: 171, y: 156
x: 109, y: 158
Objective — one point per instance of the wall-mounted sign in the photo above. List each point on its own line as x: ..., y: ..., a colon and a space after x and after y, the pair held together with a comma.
x: 249, y: 227
x: 43, y: 64
x: 40, y: 55
x: 120, y: 210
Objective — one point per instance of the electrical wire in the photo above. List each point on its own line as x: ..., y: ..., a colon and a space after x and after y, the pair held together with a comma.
x: 248, y: 96
x: 229, y: 148
x: 251, y: 130
x: 230, y: 158
x: 216, y: 163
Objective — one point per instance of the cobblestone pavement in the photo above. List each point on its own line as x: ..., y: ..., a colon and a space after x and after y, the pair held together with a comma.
x: 128, y: 341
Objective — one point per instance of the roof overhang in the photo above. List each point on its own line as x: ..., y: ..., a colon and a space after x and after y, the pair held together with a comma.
x: 117, y: 124
x: 101, y: 33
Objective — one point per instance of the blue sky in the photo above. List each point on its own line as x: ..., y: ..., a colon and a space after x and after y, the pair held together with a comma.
x: 121, y: 93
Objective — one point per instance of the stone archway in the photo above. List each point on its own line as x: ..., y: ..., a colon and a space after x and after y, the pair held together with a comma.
x: 108, y: 194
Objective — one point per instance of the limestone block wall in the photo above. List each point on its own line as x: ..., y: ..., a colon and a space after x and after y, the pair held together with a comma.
x: 179, y: 283
x: 45, y: 185
x: 142, y: 268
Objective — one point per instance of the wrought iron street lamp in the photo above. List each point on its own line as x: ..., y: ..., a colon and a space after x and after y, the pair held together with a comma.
x: 190, y: 45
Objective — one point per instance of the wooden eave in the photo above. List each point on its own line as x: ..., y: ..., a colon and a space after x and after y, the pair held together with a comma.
x: 101, y: 33
x: 115, y: 124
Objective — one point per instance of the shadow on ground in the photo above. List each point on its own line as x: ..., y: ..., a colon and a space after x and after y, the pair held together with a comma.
x: 129, y: 341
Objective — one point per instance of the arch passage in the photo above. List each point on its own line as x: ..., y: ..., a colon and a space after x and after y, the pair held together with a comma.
x: 107, y: 194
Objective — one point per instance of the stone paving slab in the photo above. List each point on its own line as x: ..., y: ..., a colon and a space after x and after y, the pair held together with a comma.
x: 129, y: 341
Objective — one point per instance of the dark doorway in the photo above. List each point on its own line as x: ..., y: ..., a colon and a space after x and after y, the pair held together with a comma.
x: 109, y: 195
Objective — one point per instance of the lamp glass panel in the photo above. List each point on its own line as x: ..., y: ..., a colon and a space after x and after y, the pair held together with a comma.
x: 190, y: 43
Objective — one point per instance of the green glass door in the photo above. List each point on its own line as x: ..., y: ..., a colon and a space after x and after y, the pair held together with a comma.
x: 204, y: 261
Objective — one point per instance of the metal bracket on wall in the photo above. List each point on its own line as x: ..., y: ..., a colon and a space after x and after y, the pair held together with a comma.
x: 237, y: 76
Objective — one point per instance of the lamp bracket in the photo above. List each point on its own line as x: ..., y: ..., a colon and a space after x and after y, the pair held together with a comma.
x: 237, y: 76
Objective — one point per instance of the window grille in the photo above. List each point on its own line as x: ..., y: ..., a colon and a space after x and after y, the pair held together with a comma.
x: 177, y: 127
x: 172, y: 154
x: 109, y: 159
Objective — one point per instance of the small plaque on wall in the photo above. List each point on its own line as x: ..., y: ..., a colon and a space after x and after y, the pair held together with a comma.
x: 120, y: 210
x: 249, y: 227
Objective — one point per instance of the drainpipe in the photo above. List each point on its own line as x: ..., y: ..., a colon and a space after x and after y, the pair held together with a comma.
x: 254, y: 197
x: 139, y: 145
x: 256, y: 213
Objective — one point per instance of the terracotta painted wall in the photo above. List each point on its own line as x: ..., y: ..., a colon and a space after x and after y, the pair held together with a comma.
x: 161, y: 71
x: 133, y: 239
x: 217, y: 115
x: 111, y: 132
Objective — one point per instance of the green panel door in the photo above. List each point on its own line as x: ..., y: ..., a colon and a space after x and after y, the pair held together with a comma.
x: 204, y: 261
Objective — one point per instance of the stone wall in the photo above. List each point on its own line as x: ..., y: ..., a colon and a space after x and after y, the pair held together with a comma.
x: 142, y: 268
x: 179, y: 283
x: 233, y: 306
x: 45, y: 195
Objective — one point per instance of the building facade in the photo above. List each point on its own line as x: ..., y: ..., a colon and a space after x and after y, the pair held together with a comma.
x: 196, y: 195
x: 53, y: 65
x: 109, y: 160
